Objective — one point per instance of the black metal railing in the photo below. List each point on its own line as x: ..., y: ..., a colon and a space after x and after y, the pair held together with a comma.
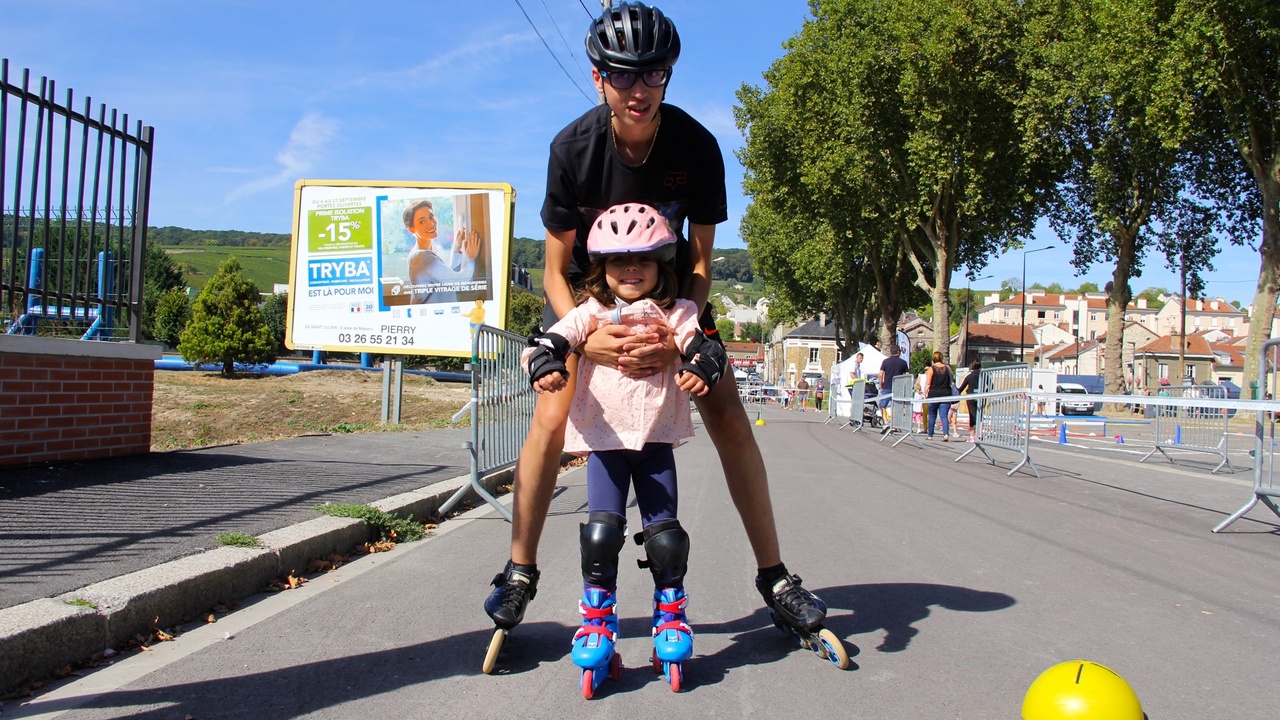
x: 74, y: 190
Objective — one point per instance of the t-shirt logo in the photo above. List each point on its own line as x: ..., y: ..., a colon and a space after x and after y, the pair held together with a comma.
x: 676, y: 179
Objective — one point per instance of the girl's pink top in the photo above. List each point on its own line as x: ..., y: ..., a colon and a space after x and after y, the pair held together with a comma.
x: 611, y: 411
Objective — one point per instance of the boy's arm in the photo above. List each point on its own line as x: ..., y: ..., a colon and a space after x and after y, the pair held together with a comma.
x: 558, y: 251
x: 701, y: 241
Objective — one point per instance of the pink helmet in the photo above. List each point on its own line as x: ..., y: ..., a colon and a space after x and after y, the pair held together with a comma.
x: 632, y: 228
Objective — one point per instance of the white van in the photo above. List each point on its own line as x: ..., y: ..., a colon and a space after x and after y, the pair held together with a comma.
x: 1074, y: 407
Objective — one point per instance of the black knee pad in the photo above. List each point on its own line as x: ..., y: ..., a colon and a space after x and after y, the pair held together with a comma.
x: 602, y: 539
x: 667, y: 546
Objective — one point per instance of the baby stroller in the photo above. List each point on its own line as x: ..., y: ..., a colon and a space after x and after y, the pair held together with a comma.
x: 870, y: 409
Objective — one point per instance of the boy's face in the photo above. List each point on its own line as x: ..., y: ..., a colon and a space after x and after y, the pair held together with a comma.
x: 637, y: 105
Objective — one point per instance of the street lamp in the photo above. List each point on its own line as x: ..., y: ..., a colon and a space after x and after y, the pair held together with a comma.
x: 968, y: 297
x: 1022, y: 323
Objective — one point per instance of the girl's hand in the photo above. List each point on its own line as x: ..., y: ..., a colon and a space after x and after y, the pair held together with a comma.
x: 551, y: 382
x: 691, y: 383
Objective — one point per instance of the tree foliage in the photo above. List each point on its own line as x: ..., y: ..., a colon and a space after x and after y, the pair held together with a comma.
x: 160, y: 275
x: 885, y: 147
x: 226, y: 325
x: 172, y: 313
x: 275, y: 313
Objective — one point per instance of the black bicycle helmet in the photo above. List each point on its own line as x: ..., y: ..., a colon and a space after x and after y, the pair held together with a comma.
x: 632, y: 37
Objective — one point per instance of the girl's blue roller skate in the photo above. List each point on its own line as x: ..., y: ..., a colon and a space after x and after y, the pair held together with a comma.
x: 672, y: 636
x: 593, y: 643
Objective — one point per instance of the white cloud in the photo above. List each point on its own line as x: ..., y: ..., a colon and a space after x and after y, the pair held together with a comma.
x: 306, y: 141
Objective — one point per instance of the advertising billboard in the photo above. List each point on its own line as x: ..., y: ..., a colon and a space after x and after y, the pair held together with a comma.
x: 397, y: 267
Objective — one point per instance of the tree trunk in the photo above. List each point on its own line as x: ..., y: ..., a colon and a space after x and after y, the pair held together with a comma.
x: 1117, y: 302
x: 1264, y: 300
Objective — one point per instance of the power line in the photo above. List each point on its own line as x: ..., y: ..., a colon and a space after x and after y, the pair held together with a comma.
x: 553, y: 55
x: 556, y: 25
x: 584, y: 7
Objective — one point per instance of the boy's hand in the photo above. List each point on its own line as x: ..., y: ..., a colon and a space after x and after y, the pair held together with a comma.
x: 691, y: 383
x: 634, y: 355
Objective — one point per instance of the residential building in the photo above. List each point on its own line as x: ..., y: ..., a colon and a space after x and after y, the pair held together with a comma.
x: 1080, y: 315
x: 808, y: 351
x: 1215, y: 314
x: 1158, y: 362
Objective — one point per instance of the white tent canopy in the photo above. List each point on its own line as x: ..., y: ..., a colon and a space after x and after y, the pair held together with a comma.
x: 871, y: 359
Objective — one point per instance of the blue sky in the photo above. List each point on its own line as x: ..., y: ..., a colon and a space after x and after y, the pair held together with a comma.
x: 247, y: 97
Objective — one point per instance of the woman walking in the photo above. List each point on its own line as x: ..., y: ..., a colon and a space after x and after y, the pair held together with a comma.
x: 938, y: 381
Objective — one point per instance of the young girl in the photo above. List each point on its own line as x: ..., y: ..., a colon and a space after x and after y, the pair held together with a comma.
x: 630, y: 426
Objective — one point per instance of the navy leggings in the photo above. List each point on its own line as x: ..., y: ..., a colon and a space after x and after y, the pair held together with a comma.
x: 652, y: 469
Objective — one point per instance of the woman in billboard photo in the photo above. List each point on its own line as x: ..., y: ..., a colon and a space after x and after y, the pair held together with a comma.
x: 427, y: 256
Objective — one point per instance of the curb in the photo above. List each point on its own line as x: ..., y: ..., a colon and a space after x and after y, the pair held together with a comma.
x: 39, y: 637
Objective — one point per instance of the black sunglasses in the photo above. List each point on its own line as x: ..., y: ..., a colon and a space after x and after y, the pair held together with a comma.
x: 624, y: 80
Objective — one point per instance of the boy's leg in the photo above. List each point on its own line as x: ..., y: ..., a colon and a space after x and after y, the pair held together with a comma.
x: 727, y: 425
x: 535, y: 480
x: 730, y: 430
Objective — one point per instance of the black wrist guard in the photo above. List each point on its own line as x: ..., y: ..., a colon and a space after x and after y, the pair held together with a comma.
x: 548, y: 356
x: 706, y: 358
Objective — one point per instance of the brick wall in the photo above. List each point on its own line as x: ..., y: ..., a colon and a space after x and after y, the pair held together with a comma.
x: 72, y: 399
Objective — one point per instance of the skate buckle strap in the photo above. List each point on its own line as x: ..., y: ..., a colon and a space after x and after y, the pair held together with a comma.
x: 589, y: 613
x: 677, y: 625
x: 673, y: 607
x: 595, y: 630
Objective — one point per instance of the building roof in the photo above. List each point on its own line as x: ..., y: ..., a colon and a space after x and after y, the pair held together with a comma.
x: 1212, y: 306
x: 744, y: 348
x: 992, y: 334
x: 814, y: 330
x: 1168, y: 345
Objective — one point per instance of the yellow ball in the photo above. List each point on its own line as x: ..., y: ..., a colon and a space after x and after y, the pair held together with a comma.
x: 1083, y: 690
x: 759, y: 421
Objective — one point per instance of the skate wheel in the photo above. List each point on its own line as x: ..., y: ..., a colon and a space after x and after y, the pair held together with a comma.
x: 495, y: 646
x: 657, y: 664
x: 588, y: 684
x: 836, y: 652
x: 615, y: 667
x: 675, y: 675
x: 817, y: 646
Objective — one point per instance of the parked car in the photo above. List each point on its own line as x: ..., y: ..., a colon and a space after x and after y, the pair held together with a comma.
x: 1075, y: 407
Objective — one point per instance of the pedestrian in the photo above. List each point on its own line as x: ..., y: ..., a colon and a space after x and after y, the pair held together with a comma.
x: 890, y: 368
x: 937, y: 383
x: 819, y: 391
x: 967, y: 386
x: 630, y: 427
x: 802, y: 393
x: 636, y: 148
x: 855, y: 372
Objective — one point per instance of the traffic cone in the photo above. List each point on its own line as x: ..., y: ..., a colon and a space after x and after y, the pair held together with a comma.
x: 1062, y: 434
x: 1119, y: 439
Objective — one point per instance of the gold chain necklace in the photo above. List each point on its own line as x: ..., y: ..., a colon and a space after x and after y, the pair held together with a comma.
x: 613, y: 135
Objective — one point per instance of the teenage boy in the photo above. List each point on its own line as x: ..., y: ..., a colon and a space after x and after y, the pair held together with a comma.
x: 635, y: 148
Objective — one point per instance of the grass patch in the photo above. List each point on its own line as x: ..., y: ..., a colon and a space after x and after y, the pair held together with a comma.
x: 81, y: 602
x: 237, y: 540
x: 388, y: 526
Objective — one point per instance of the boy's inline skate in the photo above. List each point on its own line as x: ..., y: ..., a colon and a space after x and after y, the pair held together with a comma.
x: 799, y: 613
x: 593, y: 644
x: 672, y: 636
x: 513, y: 588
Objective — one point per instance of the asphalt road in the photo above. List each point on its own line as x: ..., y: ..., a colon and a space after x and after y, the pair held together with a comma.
x: 954, y: 584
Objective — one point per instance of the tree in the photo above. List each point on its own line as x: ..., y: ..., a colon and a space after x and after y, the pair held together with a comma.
x: 724, y: 326
x: 226, y: 325
x: 172, y: 313
x: 1087, y: 287
x: 1096, y: 67
x: 891, y: 123
x: 1010, y: 287
x: 524, y: 312
x: 1221, y: 81
x: 275, y: 312
x: 160, y: 275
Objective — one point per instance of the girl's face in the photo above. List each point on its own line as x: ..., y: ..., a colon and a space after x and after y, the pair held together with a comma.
x: 631, y: 277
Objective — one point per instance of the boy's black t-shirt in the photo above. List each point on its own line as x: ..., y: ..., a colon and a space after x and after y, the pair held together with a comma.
x: 683, y: 178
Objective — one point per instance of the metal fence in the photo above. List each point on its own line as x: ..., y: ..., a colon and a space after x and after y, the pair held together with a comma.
x: 1264, y: 439
x: 74, y: 190
x: 903, y: 389
x: 501, y: 409
x: 1003, y: 417
x: 1198, y: 429
x: 855, y: 395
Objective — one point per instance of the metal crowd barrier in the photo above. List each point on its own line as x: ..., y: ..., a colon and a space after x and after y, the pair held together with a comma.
x: 900, y: 410
x: 1003, y: 420
x: 855, y: 393
x: 1264, y: 439
x: 501, y: 409
x: 1199, y: 429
